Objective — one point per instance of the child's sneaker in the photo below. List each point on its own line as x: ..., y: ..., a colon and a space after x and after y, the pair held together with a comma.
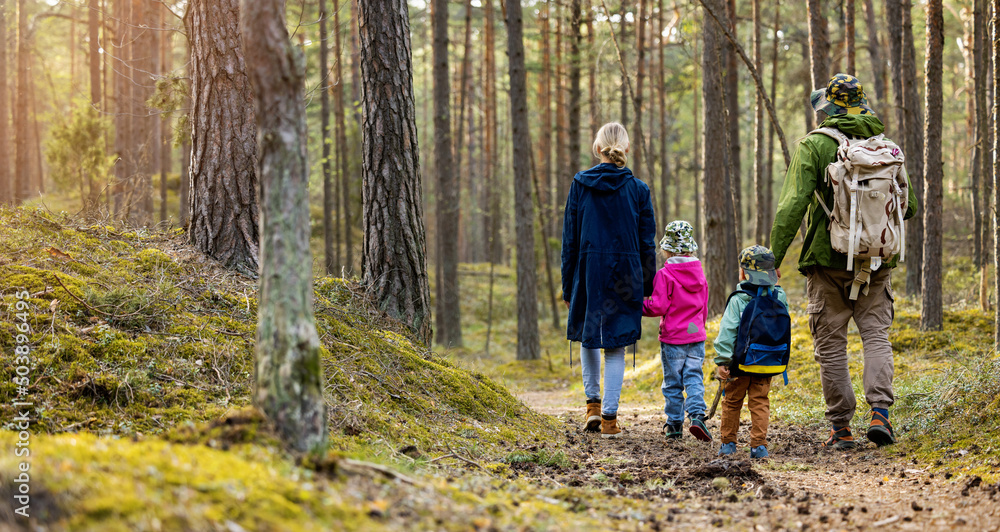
x: 673, y: 432
x: 758, y: 452
x: 880, y: 431
x: 593, y: 416
x: 840, y: 439
x: 727, y: 449
x: 698, y: 428
x: 609, y: 427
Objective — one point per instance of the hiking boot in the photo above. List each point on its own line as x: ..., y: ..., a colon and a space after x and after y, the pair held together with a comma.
x: 609, y: 427
x: 880, y: 431
x: 840, y: 440
x: 593, y: 423
x: 727, y: 449
x: 758, y: 452
x: 673, y: 431
x: 698, y: 428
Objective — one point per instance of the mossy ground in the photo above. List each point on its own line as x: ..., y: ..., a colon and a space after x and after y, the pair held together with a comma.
x: 140, y: 340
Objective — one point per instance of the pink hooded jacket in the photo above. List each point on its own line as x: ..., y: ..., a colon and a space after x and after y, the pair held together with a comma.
x: 680, y: 295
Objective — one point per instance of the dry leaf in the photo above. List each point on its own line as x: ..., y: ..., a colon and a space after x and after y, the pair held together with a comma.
x: 59, y: 254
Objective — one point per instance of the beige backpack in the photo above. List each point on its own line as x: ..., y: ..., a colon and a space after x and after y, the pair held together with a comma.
x: 870, y: 197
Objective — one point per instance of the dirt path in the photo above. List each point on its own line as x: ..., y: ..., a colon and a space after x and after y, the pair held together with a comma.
x: 801, y: 487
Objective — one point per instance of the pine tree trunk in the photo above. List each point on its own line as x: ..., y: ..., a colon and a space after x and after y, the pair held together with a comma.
x: 761, y: 223
x: 289, y: 376
x: 491, y: 201
x: 22, y: 155
x: 881, y: 101
x: 185, y: 213
x: 573, y: 148
x: 356, y: 82
x: 223, y: 166
x: 769, y: 171
x: 995, y: 101
x: 981, y: 169
x: 561, y: 188
x: 640, y: 82
x: 340, y: 117
x: 140, y: 207
x: 734, y: 166
x: 6, y: 185
x: 464, y: 93
x: 592, y: 92
x: 931, y: 317
x: 717, y: 208
x: 914, y: 151
x: 545, y: 110
x: 394, y: 267
x: 527, y: 299
x: 819, y: 45
x: 624, y: 87
x: 329, y: 204
x: 696, y: 138
x: 894, y: 26
x: 662, y: 104
x: 449, y: 331
x: 849, y: 36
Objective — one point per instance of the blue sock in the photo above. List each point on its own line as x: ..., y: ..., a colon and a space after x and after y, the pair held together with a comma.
x: 883, y: 411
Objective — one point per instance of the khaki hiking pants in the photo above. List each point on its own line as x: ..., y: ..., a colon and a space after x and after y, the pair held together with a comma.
x: 830, y: 309
x: 755, y: 390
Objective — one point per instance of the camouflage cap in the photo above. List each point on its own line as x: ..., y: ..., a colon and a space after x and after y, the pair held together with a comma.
x: 679, y: 238
x: 758, y: 263
x: 843, y: 95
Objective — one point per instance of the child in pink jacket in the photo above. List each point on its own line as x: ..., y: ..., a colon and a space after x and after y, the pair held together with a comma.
x: 680, y: 295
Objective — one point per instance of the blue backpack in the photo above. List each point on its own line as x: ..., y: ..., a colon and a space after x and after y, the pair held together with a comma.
x: 763, y: 342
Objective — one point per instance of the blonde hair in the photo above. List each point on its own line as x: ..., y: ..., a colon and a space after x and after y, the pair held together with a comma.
x: 612, y: 143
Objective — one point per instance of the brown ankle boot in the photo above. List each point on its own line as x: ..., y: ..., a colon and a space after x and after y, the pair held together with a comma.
x: 593, y: 423
x: 610, y: 428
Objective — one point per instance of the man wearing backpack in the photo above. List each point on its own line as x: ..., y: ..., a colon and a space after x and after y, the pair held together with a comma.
x: 849, y: 249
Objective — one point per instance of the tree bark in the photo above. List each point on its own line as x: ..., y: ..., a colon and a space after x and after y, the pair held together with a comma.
x: 981, y: 164
x: 22, y: 155
x: 664, y: 132
x: 340, y: 117
x: 931, y: 317
x: 464, y: 92
x: 185, y: 213
x: 592, y: 92
x: 223, y: 166
x: 849, y: 36
x: 819, y: 46
x: 329, y: 200
x: 573, y: 147
x: 894, y: 26
x: 527, y: 299
x: 289, y: 376
x: 449, y: 331
x: 914, y: 151
x: 545, y: 110
x: 139, y: 209
x: 734, y: 166
x: 761, y: 223
x: 624, y: 37
x: 769, y: 171
x: 878, y: 64
x: 995, y: 50
x: 394, y: 267
x: 491, y: 222
x: 640, y: 84
x: 6, y: 185
x: 717, y: 208
x: 560, y: 188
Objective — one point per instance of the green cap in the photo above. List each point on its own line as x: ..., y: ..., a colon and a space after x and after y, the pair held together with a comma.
x: 678, y: 238
x: 844, y: 94
x: 758, y: 263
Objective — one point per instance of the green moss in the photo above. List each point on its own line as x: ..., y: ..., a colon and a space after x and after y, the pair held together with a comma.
x: 151, y: 261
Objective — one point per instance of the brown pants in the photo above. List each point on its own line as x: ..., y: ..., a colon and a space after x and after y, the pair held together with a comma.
x: 755, y: 390
x: 830, y: 309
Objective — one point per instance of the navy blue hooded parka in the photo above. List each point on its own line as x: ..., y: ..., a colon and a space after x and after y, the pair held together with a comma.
x: 608, y: 256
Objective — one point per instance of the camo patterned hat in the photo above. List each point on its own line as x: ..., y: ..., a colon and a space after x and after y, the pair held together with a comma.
x: 843, y: 95
x: 758, y: 263
x: 678, y: 238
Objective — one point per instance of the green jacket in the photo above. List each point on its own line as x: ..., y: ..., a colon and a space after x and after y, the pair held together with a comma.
x: 730, y: 325
x: 806, y: 173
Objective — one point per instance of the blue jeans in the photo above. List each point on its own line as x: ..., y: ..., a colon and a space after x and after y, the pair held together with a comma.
x: 614, y: 374
x: 682, y: 369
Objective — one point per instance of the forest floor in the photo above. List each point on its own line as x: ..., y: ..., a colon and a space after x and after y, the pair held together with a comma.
x: 801, y: 486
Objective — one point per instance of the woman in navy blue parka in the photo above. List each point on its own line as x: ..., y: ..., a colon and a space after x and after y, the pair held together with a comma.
x: 608, y: 264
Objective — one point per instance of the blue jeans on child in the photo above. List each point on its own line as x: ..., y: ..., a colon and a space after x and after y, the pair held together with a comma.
x: 682, y: 369
x: 614, y: 374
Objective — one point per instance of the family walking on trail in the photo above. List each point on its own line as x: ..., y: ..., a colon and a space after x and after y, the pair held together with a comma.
x: 851, y: 183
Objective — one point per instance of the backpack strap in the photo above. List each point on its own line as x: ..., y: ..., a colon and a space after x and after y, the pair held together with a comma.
x: 740, y: 291
x: 834, y: 134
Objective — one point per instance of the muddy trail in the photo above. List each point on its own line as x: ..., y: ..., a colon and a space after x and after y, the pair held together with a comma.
x: 802, y: 486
